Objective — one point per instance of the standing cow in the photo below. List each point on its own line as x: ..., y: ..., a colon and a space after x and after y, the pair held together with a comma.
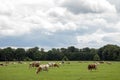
x: 92, y: 66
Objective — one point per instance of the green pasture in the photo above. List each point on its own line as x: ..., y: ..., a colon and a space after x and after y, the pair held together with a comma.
x: 73, y: 71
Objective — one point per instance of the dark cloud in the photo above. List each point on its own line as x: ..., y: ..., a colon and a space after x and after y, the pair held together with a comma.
x: 39, y: 39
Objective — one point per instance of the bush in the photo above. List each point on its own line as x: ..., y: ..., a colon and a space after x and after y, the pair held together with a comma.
x: 27, y: 59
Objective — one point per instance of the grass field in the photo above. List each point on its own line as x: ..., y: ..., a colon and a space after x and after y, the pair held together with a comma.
x: 72, y: 71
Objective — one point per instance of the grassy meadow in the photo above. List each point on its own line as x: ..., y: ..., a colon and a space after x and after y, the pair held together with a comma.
x: 73, y: 71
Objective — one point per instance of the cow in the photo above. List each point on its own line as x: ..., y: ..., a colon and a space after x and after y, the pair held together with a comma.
x: 34, y: 64
x: 20, y: 62
x: 52, y: 64
x: 1, y: 64
x: 43, y: 67
x: 92, y: 66
x: 101, y: 62
x: 108, y: 63
x: 55, y: 65
x: 38, y: 70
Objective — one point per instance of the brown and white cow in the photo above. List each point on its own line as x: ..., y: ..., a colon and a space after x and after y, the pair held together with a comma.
x: 52, y: 64
x: 1, y: 64
x: 92, y: 66
x: 43, y: 67
x: 34, y: 64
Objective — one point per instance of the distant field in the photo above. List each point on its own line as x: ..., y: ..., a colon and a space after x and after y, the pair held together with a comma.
x: 73, y: 71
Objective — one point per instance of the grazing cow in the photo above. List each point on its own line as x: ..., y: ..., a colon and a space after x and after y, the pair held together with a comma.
x: 20, y: 62
x: 52, y: 64
x: 97, y: 63
x: 42, y: 68
x: 92, y: 66
x: 38, y: 70
x: 101, y: 62
x: 55, y: 65
x: 34, y: 64
x: 108, y: 63
x: 1, y: 64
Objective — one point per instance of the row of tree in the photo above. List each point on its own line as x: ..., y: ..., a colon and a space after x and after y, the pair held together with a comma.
x: 107, y: 52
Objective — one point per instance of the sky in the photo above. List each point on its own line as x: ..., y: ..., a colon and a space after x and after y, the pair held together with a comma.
x: 59, y: 23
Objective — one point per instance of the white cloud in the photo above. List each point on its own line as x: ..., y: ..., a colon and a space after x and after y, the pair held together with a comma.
x: 27, y: 16
x: 5, y: 8
x: 98, y: 39
x: 112, y: 37
x: 116, y: 3
x: 59, y: 23
x: 92, y: 39
x: 21, y: 16
x: 89, y: 6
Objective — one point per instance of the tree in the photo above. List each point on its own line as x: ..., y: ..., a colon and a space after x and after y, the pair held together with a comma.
x: 65, y: 58
x: 54, y: 54
x: 8, y: 54
x: 71, y: 49
x: 20, y: 54
x: 93, y: 52
x: 1, y: 55
x: 33, y: 53
x: 118, y: 58
x: 96, y: 57
x: 109, y: 52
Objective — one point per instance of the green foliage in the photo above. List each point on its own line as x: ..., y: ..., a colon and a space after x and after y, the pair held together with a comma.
x: 8, y: 54
x: 65, y: 59
x: 107, y: 52
x: 27, y: 59
x: 33, y: 53
x: 96, y: 57
x: 118, y: 58
x: 19, y: 54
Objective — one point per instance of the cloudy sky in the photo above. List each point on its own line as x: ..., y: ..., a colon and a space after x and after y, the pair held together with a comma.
x: 59, y: 23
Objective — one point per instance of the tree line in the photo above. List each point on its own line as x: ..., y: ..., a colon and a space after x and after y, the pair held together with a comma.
x: 108, y: 52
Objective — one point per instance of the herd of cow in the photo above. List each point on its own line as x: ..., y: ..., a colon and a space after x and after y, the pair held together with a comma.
x: 45, y: 67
